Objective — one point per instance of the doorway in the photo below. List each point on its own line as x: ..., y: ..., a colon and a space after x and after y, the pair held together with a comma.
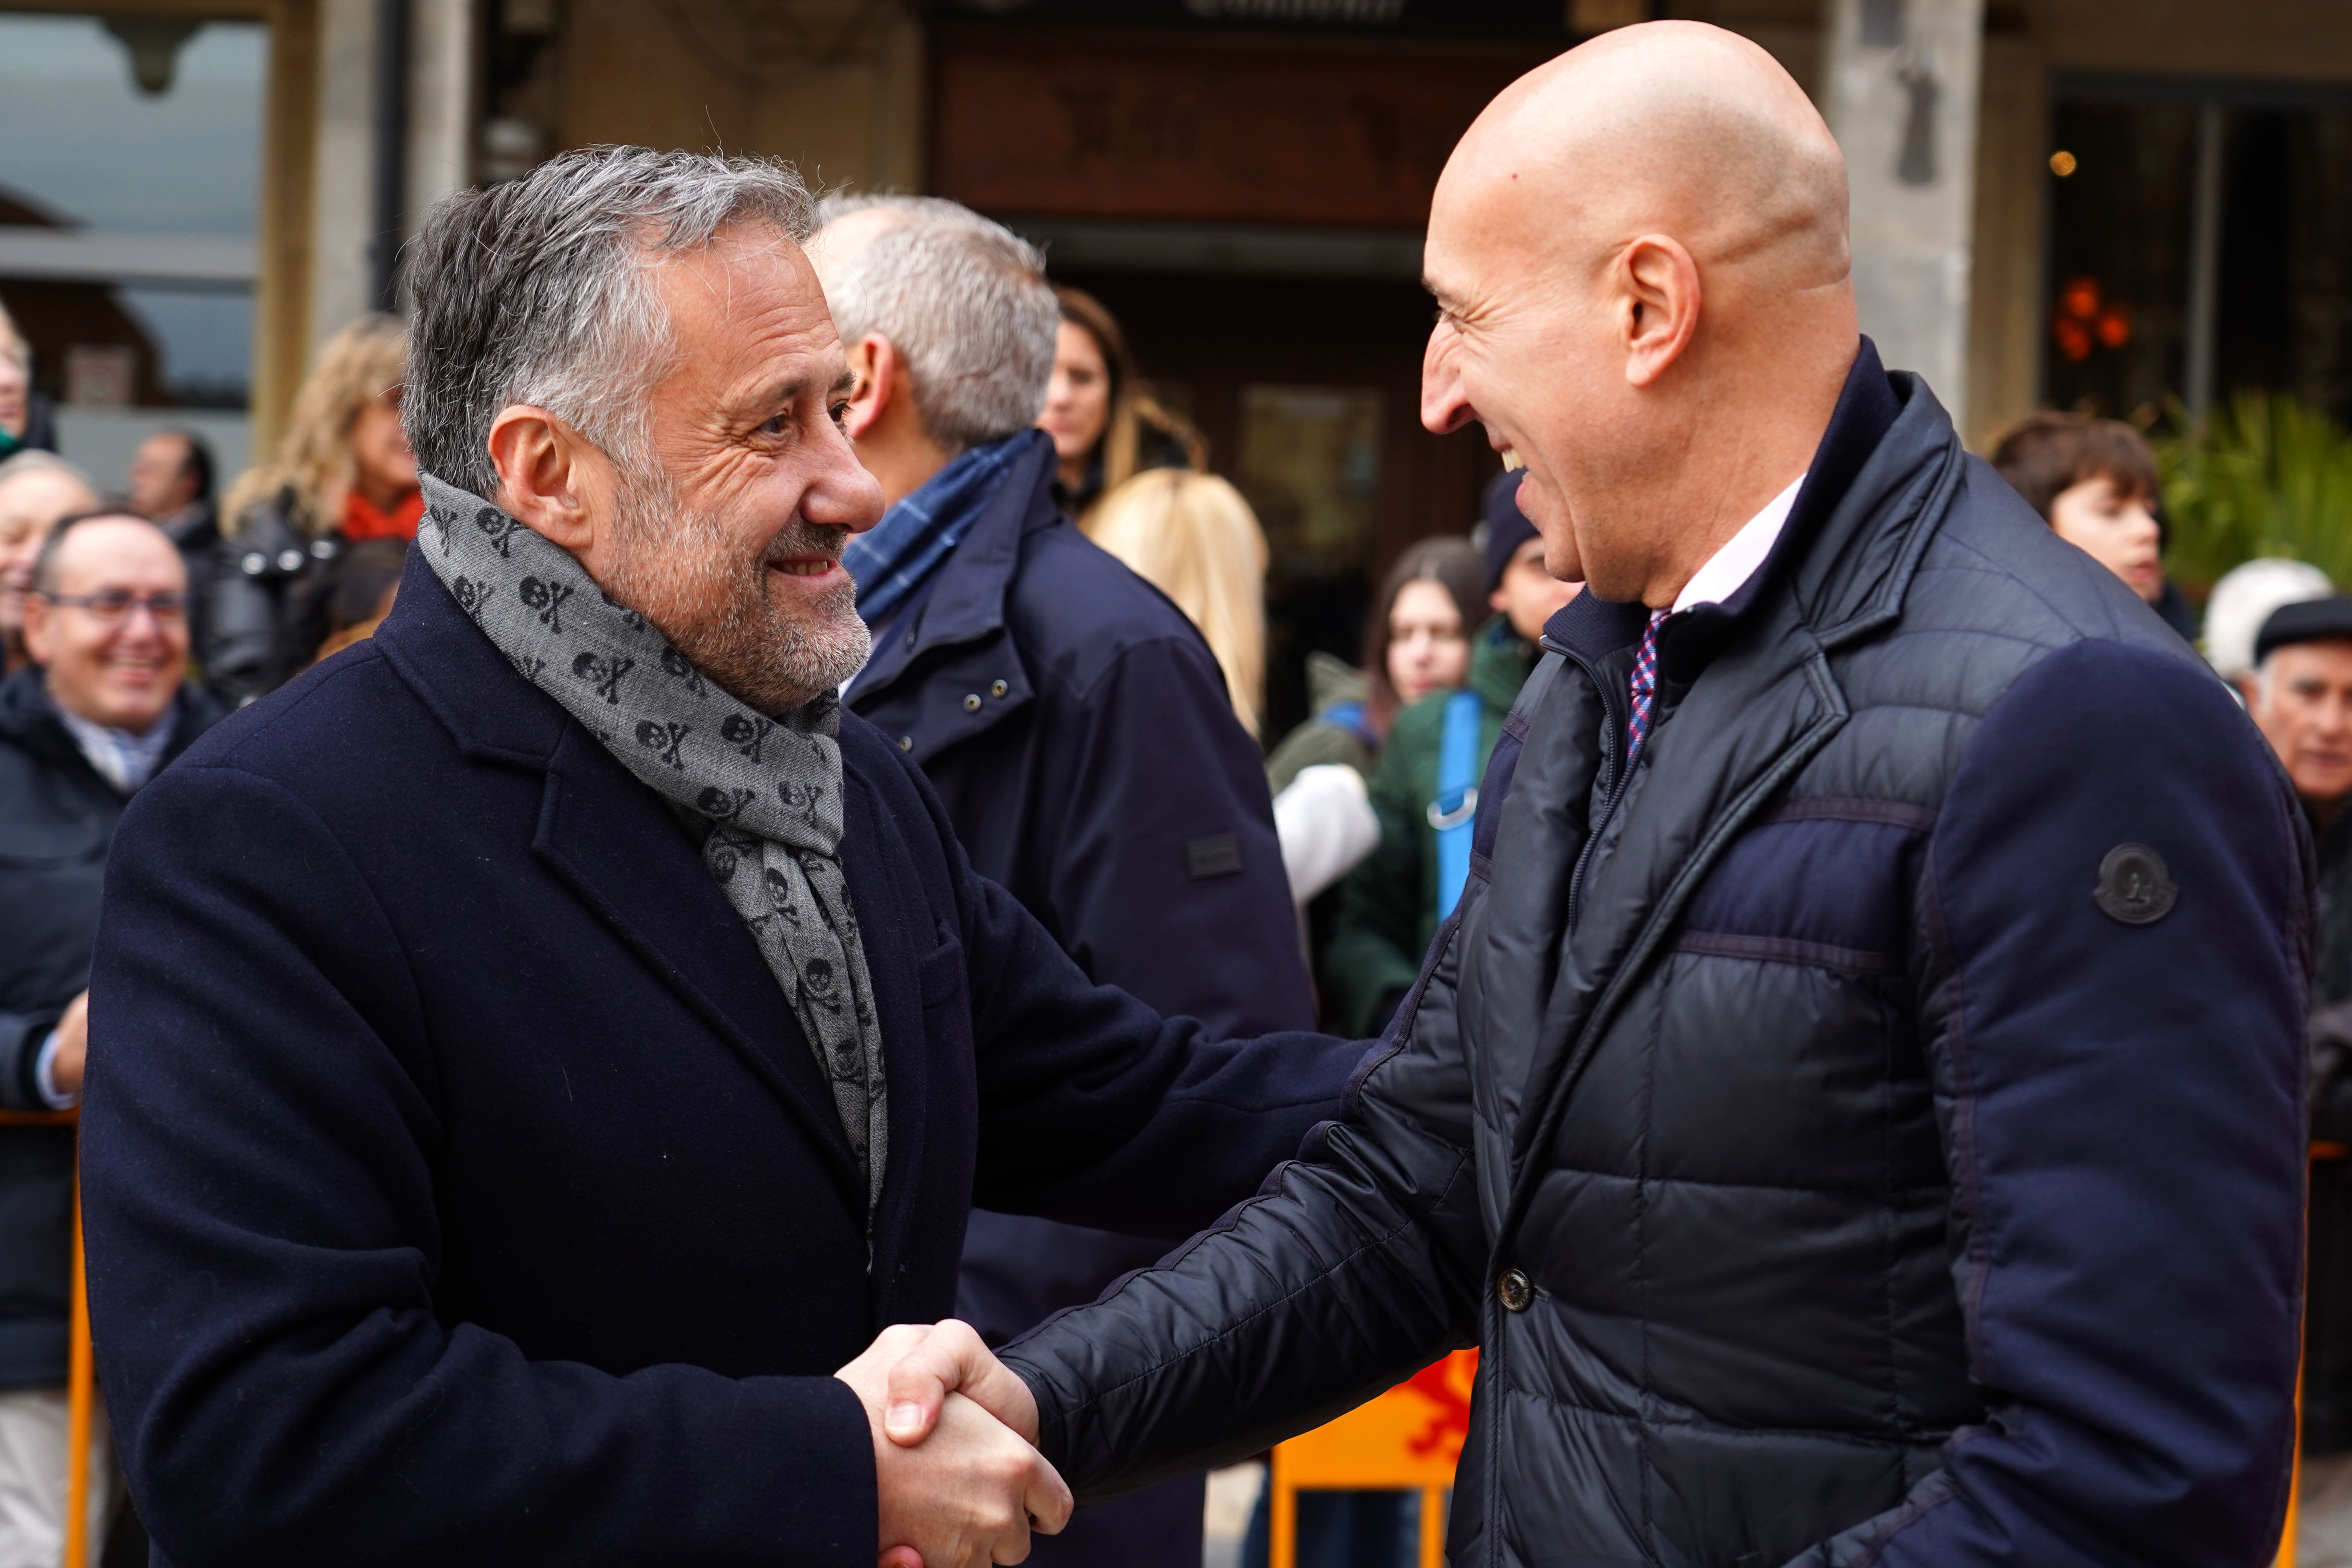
x: 1308, y: 391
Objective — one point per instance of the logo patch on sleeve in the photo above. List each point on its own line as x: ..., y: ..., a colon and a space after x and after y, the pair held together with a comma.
x: 1218, y: 854
x: 2133, y: 886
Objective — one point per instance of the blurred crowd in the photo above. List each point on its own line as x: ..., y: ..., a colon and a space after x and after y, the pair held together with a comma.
x: 137, y: 609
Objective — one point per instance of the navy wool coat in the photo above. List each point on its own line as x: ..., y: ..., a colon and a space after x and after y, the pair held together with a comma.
x: 459, y: 1186
x: 1080, y: 737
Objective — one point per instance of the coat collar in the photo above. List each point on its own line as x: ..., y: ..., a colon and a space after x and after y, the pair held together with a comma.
x: 28, y: 718
x: 965, y: 600
x: 1847, y: 566
x: 614, y: 843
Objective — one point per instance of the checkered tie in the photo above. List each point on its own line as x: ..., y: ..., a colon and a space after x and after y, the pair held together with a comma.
x: 1645, y: 688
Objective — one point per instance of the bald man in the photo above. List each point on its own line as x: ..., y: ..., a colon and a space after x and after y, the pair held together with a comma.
x: 1854, y: 1107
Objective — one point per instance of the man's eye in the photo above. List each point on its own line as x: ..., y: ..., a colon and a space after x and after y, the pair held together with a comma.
x: 839, y: 412
x: 775, y: 425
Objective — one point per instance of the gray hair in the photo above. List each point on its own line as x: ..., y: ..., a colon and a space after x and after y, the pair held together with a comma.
x: 33, y: 461
x: 964, y: 300
x: 538, y: 290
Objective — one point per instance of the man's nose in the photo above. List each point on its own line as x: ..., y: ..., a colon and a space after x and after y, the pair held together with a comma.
x: 1444, y: 407
x: 843, y: 495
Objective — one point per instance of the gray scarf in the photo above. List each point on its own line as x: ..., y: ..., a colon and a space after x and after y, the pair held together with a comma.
x: 770, y: 789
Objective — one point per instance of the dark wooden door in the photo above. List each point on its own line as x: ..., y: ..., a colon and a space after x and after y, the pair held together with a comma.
x: 1308, y: 392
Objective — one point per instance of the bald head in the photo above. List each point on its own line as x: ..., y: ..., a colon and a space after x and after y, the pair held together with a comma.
x: 1674, y: 127
x: 1640, y: 253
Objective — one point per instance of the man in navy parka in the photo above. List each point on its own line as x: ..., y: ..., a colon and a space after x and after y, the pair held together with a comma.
x: 1856, y: 1109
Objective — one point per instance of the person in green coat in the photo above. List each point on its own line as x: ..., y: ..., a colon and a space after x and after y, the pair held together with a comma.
x: 1389, y: 904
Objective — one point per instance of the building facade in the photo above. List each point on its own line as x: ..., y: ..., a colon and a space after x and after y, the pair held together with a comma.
x: 2135, y: 205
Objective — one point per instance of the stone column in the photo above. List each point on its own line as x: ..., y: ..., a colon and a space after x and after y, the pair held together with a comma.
x: 442, y: 90
x: 438, y: 143
x: 341, y: 205
x: 1903, y: 100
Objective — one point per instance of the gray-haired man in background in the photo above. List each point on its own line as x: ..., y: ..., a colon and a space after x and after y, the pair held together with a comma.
x: 1074, y: 723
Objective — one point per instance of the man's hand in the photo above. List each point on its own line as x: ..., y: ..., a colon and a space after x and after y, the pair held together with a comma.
x: 951, y: 1358
x: 963, y: 1491
x: 73, y: 1045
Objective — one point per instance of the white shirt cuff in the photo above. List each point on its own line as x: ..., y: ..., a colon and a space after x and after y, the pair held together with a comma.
x: 45, y: 1077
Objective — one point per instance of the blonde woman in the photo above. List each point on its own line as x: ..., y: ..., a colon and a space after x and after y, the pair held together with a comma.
x: 1193, y: 538
x: 342, y: 474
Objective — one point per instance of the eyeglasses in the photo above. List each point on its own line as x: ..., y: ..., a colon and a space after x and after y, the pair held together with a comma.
x: 113, y: 607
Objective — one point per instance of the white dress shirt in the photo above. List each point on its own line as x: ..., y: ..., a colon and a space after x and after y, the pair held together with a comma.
x: 1726, y: 570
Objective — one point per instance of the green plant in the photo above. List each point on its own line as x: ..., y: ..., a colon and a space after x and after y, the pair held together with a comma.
x: 2267, y: 475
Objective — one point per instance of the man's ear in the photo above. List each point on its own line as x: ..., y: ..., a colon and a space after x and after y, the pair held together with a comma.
x: 545, y: 477
x: 36, y: 630
x: 1499, y: 600
x: 881, y: 378
x: 1657, y: 305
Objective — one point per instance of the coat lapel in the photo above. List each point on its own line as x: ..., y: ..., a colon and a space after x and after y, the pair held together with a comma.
x: 948, y: 669
x: 891, y: 960
x: 616, y: 847
x: 612, y: 839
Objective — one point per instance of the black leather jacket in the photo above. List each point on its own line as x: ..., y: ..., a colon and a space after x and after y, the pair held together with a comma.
x: 265, y: 617
x: 1868, y: 1129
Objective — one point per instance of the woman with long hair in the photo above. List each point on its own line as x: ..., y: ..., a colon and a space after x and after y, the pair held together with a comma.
x: 1192, y: 537
x: 1105, y: 423
x: 1417, y: 641
x: 342, y: 474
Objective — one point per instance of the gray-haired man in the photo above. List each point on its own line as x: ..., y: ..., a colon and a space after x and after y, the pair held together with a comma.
x: 534, y: 1049
x: 1074, y: 723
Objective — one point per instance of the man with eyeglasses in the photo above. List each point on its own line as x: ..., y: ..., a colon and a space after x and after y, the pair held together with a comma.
x: 100, y: 709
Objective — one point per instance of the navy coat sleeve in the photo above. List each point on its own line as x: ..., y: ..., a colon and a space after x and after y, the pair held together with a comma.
x: 1167, y: 880
x: 258, y: 1176
x: 2122, y: 1111
x: 1356, y: 1266
x: 1096, y: 1110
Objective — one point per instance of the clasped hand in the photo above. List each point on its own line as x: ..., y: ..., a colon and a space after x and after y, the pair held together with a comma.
x: 955, y: 1460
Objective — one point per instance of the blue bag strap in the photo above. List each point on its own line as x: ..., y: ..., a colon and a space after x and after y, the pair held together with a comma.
x: 1453, y: 813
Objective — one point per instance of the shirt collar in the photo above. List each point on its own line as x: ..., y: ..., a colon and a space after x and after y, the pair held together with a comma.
x: 123, y: 759
x: 1729, y: 569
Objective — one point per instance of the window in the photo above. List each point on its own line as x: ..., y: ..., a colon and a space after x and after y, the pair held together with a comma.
x: 129, y: 205
x: 2200, y: 243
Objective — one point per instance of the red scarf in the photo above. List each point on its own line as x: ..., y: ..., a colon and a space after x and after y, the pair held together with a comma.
x: 362, y: 518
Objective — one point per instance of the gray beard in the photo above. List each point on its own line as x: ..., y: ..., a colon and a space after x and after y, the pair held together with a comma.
x: 675, y: 567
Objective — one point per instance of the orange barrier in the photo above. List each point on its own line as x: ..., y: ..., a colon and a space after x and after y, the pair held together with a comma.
x: 81, y: 1381
x: 1408, y: 1439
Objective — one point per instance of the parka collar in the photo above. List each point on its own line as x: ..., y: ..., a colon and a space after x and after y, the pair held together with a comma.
x: 1868, y: 408
x: 1852, y: 535
x: 965, y: 599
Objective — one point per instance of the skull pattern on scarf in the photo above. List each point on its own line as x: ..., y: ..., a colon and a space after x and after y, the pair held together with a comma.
x: 770, y: 787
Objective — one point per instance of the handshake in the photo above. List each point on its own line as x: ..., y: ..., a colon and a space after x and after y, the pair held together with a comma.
x: 955, y: 1461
